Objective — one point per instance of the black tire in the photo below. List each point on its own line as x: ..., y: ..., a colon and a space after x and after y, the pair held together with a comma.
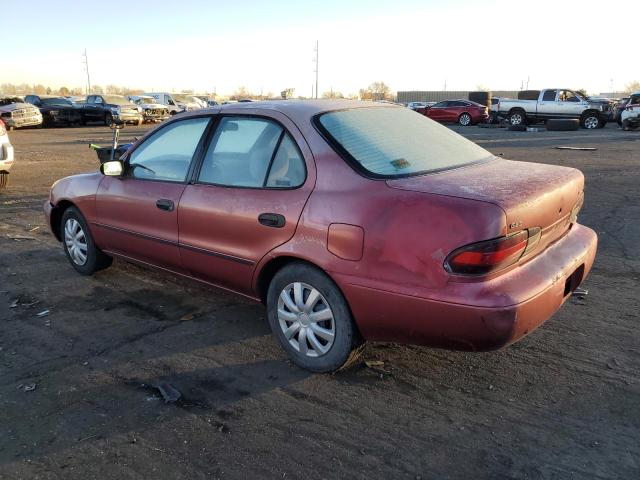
x: 562, y: 125
x: 346, y: 335
x: 465, y: 119
x: 517, y: 128
x: 591, y: 120
x: 108, y: 119
x: 96, y: 259
x: 4, y: 179
x: 517, y: 117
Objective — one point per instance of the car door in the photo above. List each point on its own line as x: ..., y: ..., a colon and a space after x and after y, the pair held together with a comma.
x: 247, y: 197
x: 569, y: 104
x: 90, y: 109
x: 547, y: 106
x: 437, y: 112
x: 138, y: 211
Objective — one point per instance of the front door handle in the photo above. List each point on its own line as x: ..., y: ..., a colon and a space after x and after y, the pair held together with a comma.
x: 274, y: 220
x: 165, y: 204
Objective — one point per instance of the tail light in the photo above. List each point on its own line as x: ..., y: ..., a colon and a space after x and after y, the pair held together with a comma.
x: 3, y: 131
x: 491, y: 255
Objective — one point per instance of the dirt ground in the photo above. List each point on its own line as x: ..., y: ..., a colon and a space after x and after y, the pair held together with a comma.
x: 76, y: 386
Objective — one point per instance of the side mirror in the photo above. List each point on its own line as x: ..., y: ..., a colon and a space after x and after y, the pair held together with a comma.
x: 113, y: 168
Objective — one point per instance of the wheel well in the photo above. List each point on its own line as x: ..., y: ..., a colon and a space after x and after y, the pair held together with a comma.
x: 56, y: 217
x: 517, y: 109
x: 588, y: 113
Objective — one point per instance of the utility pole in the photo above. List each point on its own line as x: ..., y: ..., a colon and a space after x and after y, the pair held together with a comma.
x: 316, y: 70
x: 86, y: 66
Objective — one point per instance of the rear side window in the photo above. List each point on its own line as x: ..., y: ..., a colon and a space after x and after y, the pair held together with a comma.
x: 549, y: 96
x: 391, y: 142
x: 254, y: 153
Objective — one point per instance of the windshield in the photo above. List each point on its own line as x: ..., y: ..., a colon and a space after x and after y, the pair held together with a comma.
x: 142, y: 100
x: 115, y: 100
x: 397, y: 142
x: 55, y: 101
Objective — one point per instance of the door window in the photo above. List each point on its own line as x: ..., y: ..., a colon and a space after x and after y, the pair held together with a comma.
x: 168, y: 153
x: 549, y: 96
x: 568, y: 96
x: 254, y: 153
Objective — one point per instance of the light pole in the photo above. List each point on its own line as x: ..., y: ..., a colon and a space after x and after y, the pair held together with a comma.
x: 86, y: 66
x: 316, y: 70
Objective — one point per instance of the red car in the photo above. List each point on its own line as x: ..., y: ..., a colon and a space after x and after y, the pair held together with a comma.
x: 464, y: 112
x: 348, y: 220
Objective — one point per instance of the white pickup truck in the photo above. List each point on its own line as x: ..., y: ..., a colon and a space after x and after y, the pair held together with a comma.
x: 555, y: 103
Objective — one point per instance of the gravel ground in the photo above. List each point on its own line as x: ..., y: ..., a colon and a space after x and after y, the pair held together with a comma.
x: 76, y: 386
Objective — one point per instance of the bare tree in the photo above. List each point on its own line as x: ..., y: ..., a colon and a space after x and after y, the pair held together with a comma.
x: 632, y: 87
x: 242, y: 93
x: 332, y: 94
x: 287, y: 93
x: 377, y: 91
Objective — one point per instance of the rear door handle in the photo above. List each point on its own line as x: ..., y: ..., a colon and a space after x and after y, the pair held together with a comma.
x: 165, y: 204
x: 274, y: 220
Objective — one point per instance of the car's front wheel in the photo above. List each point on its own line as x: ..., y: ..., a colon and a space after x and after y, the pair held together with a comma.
x: 78, y: 244
x: 591, y: 121
x: 464, y: 119
x: 108, y: 119
x: 310, y: 318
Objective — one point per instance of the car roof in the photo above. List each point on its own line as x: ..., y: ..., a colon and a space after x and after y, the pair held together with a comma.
x: 297, y: 110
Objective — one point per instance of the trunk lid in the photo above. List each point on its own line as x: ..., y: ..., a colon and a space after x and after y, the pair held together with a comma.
x: 531, y: 194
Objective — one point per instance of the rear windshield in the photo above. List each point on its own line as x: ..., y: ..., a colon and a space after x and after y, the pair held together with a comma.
x: 398, y: 142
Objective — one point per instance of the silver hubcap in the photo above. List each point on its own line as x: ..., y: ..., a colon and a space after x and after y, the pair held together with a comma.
x: 516, y: 119
x: 591, y: 122
x: 76, y: 241
x: 465, y: 119
x: 306, y: 319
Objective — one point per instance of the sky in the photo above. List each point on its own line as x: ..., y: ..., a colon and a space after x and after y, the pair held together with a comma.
x: 267, y: 46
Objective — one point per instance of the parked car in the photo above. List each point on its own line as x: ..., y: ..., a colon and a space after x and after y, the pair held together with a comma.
x: 189, y: 101
x: 619, y: 108
x: 630, y: 116
x: 349, y: 220
x: 109, y: 108
x: 6, y: 155
x: 56, y: 110
x: 494, y: 117
x: 173, y: 104
x: 212, y: 103
x: 555, y: 103
x: 464, y: 112
x: 152, y: 111
x: 416, y: 105
x: 15, y: 113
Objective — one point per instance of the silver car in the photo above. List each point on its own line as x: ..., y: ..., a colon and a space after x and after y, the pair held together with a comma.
x: 6, y: 155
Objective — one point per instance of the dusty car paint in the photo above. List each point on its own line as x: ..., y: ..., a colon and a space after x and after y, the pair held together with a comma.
x: 388, y: 262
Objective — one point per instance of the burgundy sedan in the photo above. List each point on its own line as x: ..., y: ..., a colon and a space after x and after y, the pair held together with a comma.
x: 350, y: 221
x: 464, y: 112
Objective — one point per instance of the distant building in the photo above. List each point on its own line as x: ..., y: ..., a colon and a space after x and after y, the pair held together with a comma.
x: 440, y: 95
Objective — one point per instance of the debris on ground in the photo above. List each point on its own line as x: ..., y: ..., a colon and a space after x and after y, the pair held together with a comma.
x: 34, y: 229
x: 19, y: 237
x: 169, y: 393
x: 43, y: 313
x: 187, y: 317
x: 580, y: 149
x: 15, y: 303
x: 29, y: 387
x: 374, y: 363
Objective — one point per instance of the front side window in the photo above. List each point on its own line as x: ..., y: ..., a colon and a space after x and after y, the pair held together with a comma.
x: 254, y: 153
x: 393, y: 142
x: 168, y: 153
x: 568, y: 96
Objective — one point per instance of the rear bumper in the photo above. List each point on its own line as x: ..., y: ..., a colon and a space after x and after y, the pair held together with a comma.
x: 463, y: 325
x: 22, y: 122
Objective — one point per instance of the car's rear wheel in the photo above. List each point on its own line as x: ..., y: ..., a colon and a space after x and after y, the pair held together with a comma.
x: 464, y: 119
x: 108, y: 119
x: 310, y: 318
x: 517, y: 117
x: 78, y: 244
